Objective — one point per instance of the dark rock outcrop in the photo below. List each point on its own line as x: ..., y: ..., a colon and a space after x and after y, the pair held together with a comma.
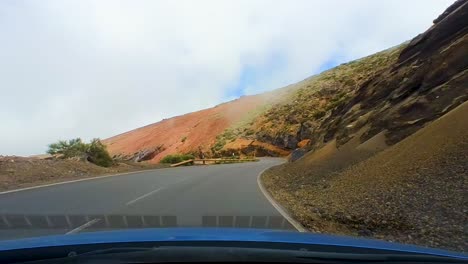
x: 147, y: 154
x: 297, y: 154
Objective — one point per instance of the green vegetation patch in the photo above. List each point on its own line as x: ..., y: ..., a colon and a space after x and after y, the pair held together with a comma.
x: 94, y: 152
x: 228, y: 135
x: 176, y: 158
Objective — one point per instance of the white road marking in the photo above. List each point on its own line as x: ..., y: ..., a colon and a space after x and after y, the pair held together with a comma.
x: 154, y: 191
x: 80, y: 228
x: 143, y: 196
x: 278, y: 207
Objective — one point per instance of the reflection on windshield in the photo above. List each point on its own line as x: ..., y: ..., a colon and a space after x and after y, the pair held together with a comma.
x: 93, y: 222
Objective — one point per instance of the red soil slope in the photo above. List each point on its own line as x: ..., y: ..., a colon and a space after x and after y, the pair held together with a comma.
x: 186, y: 133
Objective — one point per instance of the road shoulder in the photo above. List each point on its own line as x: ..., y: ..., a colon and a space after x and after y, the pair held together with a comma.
x: 277, y: 206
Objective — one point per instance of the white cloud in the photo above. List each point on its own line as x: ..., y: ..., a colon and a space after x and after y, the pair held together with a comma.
x: 97, y: 68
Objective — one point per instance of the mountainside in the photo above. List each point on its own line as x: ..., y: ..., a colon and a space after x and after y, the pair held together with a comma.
x: 269, y: 124
x: 395, y: 92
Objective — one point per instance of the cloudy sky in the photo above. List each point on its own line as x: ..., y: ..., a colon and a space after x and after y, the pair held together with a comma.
x: 98, y: 68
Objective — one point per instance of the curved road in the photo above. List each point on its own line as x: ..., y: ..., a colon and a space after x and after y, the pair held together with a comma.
x: 212, y: 196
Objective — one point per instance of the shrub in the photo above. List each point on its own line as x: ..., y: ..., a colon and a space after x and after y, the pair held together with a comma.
x: 68, y: 149
x: 249, y: 132
x: 339, y: 99
x: 220, y: 142
x: 319, y: 114
x: 98, y: 154
x: 183, y: 139
x: 176, y: 158
x: 229, y: 135
x: 94, y: 152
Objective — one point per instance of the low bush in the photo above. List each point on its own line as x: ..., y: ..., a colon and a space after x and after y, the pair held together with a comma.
x: 98, y: 154
x: 319, y: 114
x: 176, y: 158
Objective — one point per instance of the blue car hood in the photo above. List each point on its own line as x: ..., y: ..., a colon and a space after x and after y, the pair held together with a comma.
x: 214, y: 234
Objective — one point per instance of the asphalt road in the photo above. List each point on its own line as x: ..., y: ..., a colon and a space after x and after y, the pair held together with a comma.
x: 199, y: 196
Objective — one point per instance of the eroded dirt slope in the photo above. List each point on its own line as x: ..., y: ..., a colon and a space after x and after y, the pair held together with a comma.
x: 187, y: 133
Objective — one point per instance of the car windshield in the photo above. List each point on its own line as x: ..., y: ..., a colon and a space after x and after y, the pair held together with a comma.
x: 342, y: 118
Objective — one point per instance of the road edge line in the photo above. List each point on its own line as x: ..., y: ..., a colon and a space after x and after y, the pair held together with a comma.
x: 277, y: 206
x: 77, y: 180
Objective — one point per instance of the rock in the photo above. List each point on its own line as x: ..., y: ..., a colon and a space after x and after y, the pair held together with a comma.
x: 449, y: 10
x: 290, y: 142
x: 303, y: 143
x: 365, y: 232
x: 145, y: 155
x: 306, y: 130
x: 297, y: 154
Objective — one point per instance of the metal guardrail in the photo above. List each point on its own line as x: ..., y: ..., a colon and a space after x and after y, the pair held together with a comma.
x: 182, y: 163
x: 212, y: 161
